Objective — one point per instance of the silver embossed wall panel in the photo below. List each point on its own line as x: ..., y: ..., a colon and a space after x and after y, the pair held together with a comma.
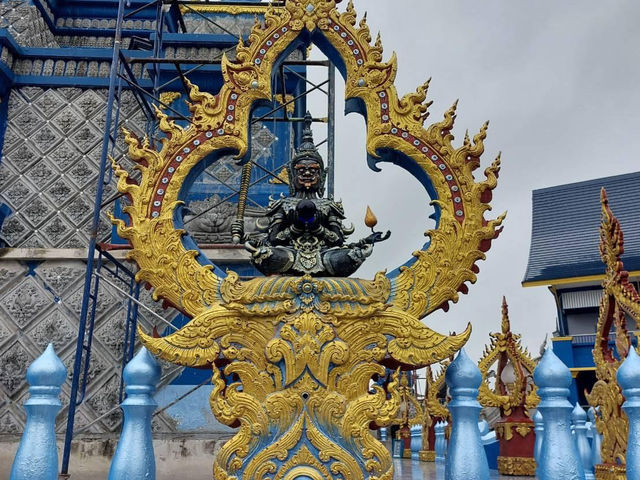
x: 44, y: 307
x: 50, y: 163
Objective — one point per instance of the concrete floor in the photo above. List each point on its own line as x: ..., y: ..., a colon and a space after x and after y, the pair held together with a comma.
x: 187, y: 457
x: 416, y: 470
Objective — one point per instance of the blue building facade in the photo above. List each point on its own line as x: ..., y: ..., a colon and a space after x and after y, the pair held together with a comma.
x: 55, y: 63
x: 564, y: 257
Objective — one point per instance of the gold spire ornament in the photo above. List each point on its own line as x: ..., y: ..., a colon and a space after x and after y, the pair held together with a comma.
x: 301, y: 351
x: 410, y: 413
x: 619, y: 301
x: 435, y: 410
x: 514, y: 393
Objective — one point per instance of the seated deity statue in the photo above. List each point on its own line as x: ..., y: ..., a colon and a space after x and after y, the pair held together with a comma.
x: 305, y: 234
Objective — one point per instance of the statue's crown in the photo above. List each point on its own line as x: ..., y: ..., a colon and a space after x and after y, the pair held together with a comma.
x: 307, y: 148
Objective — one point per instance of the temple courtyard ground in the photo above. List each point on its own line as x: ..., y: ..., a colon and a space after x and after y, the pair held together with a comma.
x: 186, y: 457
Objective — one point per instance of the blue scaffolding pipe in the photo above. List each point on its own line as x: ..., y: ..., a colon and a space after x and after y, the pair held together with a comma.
x: 121, y: 71
x: 86, y: 296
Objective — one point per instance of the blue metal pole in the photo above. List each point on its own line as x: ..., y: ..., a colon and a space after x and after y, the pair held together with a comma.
x: 93, y: 242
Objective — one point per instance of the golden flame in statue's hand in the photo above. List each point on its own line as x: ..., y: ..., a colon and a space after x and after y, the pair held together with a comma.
x: 370, y: 220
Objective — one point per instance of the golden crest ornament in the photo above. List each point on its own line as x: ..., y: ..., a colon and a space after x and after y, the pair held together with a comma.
x: 298, y: 354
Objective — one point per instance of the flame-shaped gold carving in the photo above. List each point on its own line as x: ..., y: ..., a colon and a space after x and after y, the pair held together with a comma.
x: 505, y: 348
x: 619, y: 300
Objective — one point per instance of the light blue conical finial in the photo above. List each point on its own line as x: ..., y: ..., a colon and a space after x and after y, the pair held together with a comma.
x: 539, y: 431
x: 629, y: 380
x: 416, y: 441
x: 466, y: 458
x: 559, y: 459
x: 596, y: 447
x: 579, y: 420
x: 134, y: 458
x: 37, y: 456
x: 440, y: 446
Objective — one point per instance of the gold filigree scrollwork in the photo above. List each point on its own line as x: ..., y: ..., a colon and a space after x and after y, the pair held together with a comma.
x: 302, y: 351
x: 619, y: 300
x: 517, y: 466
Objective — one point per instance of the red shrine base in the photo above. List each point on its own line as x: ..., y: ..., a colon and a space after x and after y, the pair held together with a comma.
x: 517, y: 441
x: 428, y: 452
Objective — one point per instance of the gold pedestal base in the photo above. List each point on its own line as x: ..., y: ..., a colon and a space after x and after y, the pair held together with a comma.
x: 427, y: 456
x: 406, y: 453
x: 517, y: 466
x: 606, y: 471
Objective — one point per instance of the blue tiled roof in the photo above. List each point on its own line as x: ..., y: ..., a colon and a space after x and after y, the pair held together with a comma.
x: 566, y: 222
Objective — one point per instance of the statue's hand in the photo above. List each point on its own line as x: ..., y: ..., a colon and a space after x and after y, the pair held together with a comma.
x: 376, y: 237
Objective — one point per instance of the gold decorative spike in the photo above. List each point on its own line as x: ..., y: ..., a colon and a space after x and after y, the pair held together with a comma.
x: 303, y: 350
x: 288, y: 99
x: 283, y: 178
x: 167, y: 98
x: 506, y: 349
x: 433, y: 406
x: 619, y: 300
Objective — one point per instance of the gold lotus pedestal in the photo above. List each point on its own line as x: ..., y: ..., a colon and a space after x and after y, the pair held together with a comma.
x: 294, y: 359
x: 302, y: 353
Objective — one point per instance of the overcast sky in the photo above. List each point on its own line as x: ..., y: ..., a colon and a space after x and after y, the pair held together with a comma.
x: 559, y: 81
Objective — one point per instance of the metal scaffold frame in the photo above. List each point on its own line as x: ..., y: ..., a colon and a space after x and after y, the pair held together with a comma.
x: 102, y: 267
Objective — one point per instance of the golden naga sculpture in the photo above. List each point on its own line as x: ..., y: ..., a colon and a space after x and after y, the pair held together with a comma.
x: 301, y: 351
x: 619, y: 300
x: 514, y: 393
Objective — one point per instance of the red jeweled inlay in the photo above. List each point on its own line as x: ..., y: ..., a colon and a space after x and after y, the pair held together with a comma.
x: 440, y: 164
x: 268, y: 43
x: 349, y: 41
x: 171, y: 168
x: 384, y: 106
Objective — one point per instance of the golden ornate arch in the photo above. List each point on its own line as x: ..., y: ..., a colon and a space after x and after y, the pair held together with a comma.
x: 303, y: 350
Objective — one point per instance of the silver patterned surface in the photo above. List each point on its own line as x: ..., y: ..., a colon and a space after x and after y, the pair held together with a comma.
x: 50, y: 165
x: 44, y: 307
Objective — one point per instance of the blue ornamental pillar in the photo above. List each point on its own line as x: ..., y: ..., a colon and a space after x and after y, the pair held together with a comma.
x: 579, y: 420
x: 383, y: 434
x: 466, y: 458
x: 559, y: 459
x: 134, y: 458
x: 37, y: 456
x: 629, y: 381
x: 416, y: 441
x: 440, y: 446
x: 596, y: 445
x: 539, y: 431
